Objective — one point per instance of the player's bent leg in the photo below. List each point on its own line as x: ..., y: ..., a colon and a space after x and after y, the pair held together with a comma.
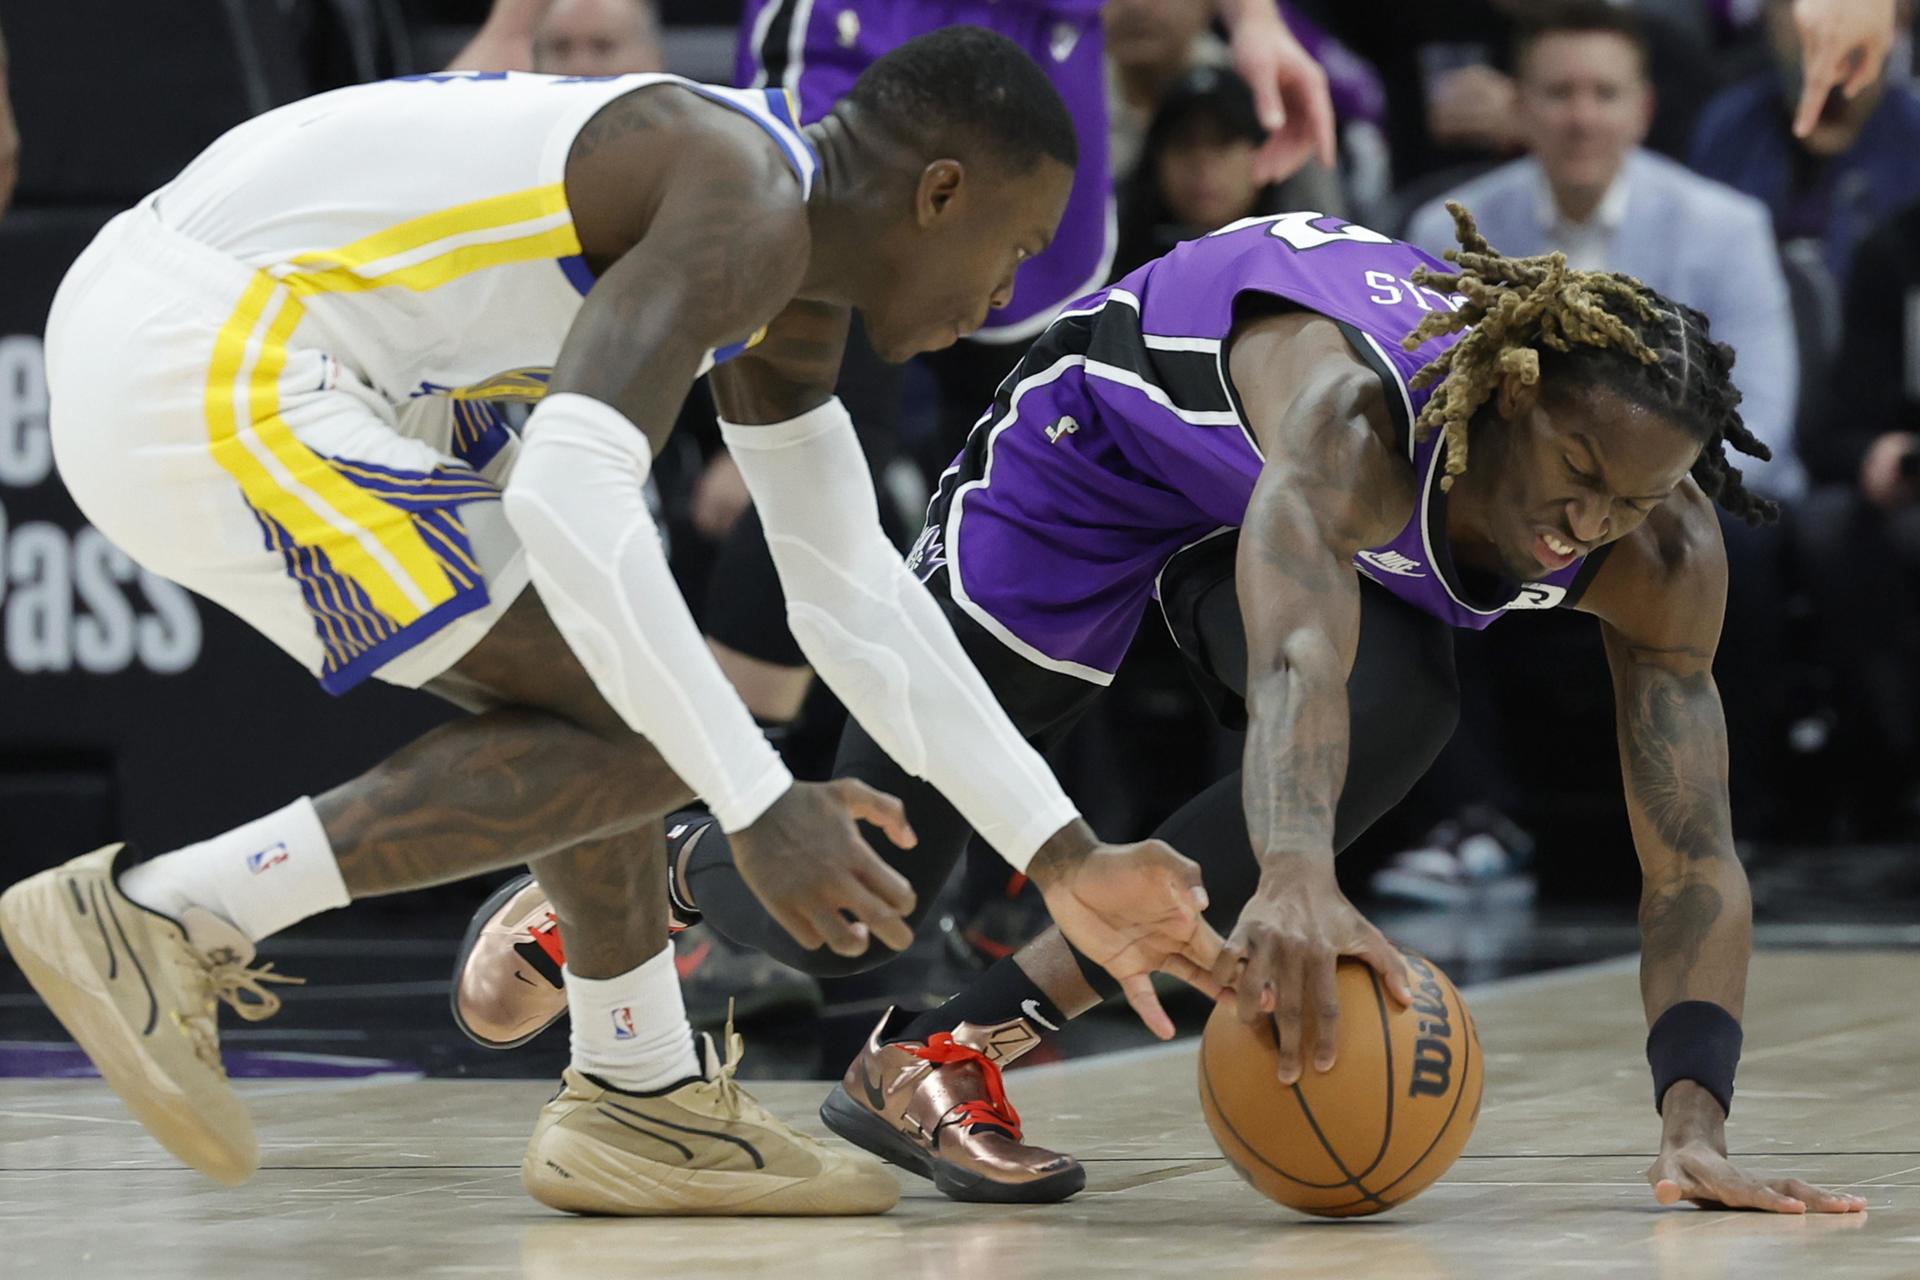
x: 134, y: 961
x: 635, y: 1077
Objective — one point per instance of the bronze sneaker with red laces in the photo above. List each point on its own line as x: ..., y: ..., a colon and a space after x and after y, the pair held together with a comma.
x: 940, y: 1109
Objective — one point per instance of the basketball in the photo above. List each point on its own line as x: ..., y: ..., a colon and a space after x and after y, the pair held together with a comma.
x: 1375, y: 1131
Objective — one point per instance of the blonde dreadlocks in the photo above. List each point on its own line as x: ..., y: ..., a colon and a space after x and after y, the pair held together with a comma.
x: 1594, y: 327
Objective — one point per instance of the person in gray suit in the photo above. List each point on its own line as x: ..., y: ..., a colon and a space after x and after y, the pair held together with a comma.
x: 1588, y: 189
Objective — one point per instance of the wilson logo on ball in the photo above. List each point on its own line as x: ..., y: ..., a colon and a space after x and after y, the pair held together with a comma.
x: 1432, y: 1052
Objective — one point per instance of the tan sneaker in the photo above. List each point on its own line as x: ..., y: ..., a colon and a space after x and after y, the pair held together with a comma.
x: 705, y: 1147
x: 138, y: 991
x: 940, y: 1109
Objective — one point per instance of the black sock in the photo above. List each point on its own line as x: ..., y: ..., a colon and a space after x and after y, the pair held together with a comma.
x: 1001, y: 994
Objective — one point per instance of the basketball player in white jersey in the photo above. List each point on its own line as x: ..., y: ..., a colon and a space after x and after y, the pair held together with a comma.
x: 270, y: 383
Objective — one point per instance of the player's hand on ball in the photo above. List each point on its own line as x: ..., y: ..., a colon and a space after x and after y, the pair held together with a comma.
x: 811, y: 868
x: 1282, y: 958
x: 1693, y: 1165
x: 1135, y: 909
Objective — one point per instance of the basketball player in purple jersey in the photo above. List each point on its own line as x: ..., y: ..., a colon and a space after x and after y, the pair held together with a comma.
x: 1322, y: 451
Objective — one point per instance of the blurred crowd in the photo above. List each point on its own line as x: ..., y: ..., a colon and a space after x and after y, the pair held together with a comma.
x: 1654, y: 138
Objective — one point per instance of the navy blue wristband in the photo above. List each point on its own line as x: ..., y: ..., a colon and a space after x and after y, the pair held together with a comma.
x: 1695, y: 1040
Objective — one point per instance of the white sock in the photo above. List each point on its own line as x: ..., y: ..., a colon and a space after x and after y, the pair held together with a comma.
x: 273, y: 872
x: 631, y: 1031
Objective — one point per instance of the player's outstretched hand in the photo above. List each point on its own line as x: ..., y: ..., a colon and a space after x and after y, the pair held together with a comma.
x: 1134, y: 909
x: 1289, y: 92
x: 1284, y: 953
x: 1693, y: 1165
x: 1842, y: 42
x: 808, y: 864
x: 1698, y: 1172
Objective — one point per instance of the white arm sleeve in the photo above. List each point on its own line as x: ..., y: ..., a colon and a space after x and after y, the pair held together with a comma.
x: 577, y: 498
x: 878, y: 639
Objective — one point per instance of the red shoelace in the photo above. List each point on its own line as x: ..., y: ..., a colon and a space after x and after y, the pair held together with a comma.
x: 548, y: 936
x: 994, y: 1109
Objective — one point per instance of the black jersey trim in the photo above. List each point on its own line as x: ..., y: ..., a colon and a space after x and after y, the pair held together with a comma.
x: 1188, y: 373
x: 1584, y: 578
x: 1069, y: 335
x: 771, y: 52
x: 1399, y: 394
x: 1439, y: 548
x: 1110, y: 336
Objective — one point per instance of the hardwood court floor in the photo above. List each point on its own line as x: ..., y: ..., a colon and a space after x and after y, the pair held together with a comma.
x: 418, y: 1179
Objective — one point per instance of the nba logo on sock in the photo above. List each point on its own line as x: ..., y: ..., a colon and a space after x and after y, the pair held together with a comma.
x: 623, y: 1023
x: 268, y: 858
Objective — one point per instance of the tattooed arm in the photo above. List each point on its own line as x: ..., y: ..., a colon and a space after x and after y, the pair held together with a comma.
x: 1660, y: 597
x: 1332, y: 484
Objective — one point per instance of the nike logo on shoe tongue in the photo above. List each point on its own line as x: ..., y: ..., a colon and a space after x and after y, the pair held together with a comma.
x: 1032, y: 1009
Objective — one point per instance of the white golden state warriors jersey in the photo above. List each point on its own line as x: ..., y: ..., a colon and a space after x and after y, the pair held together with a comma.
x: 417, y: 229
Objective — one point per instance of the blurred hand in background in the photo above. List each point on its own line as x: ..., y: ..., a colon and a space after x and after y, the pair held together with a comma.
x: 1843, y: 44
x: 9, y: 137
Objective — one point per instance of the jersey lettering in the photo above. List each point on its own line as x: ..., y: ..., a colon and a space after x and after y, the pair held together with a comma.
x: 1298, y: 231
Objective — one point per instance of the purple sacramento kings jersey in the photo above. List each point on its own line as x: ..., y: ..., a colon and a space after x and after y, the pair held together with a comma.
x: 816, y: 49
x: 1118, y: 442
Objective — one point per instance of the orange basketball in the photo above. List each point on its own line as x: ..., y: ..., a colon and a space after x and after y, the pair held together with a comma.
x: 1376, y: 1130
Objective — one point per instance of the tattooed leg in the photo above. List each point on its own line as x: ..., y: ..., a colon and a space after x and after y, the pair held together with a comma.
x: 611, y: 898
x: 547, y: 775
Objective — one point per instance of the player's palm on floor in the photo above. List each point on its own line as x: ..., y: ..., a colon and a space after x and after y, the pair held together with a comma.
x: 1134, y: 909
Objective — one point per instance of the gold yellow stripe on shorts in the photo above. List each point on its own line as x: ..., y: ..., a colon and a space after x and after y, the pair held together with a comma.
x: 387, y: 526
x: 314, y: 504
x: 372, y: 542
